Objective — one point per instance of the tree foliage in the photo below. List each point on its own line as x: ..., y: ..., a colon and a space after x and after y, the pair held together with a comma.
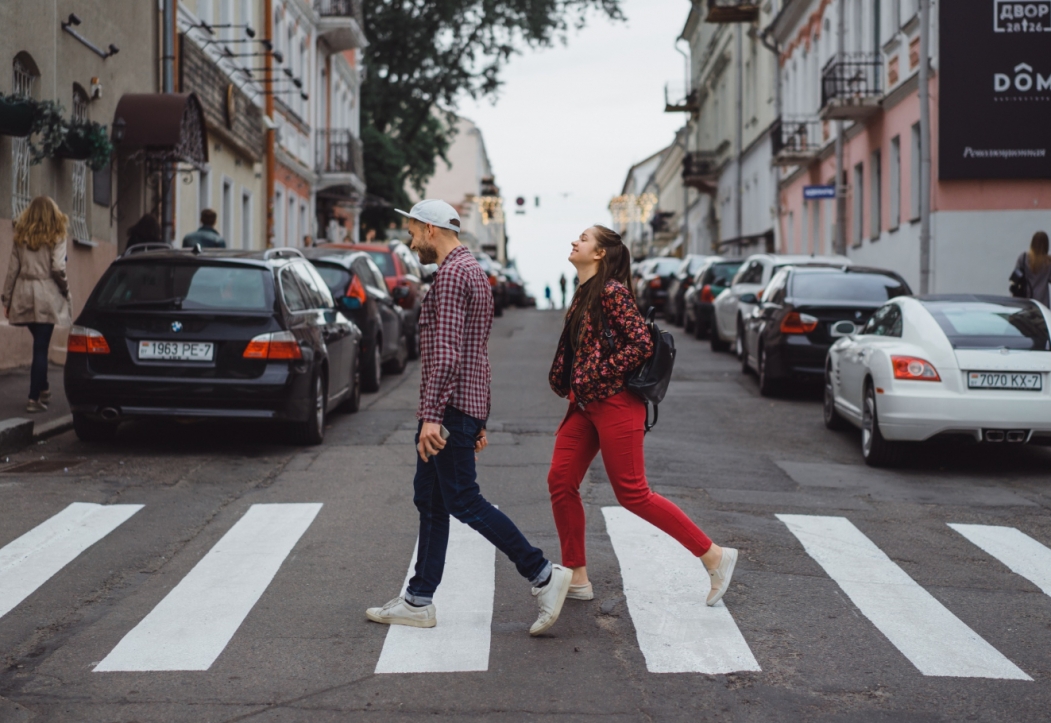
x: 425, y: 55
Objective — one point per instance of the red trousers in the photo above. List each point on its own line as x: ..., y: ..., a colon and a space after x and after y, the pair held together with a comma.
x: 614, y: 426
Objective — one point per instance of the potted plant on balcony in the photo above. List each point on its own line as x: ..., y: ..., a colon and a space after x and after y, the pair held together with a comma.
x: 48, y: 132
x: 86, y: 141
x: 16, y: 115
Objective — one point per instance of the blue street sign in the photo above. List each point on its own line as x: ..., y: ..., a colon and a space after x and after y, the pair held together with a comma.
x: 812, y: 192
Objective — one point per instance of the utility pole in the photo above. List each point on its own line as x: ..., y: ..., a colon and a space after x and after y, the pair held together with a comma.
x: 925, y: 148
x: 739, y: 140
x: 168, y: 86
x: 841, y: 187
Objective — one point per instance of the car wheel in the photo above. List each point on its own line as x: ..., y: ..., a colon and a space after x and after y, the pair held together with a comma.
x: 312, y: 431
x: 397, y: 364
x: 687, y: 323
x: 739, y: 340
x: 371, y: 367
x: 767, y: 387
x: 353, y: 402
x: 877, y: 451
x: 715, y: 340
x: 498, y: 310
x: 413, y: 341
x: 833, y: 420
x: 93, y: 430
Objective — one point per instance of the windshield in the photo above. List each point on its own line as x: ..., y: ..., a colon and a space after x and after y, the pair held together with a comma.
x: 384, y: 261
x: 695, y: 264
x: 337, y: 279
x: 721, y: 274
x: 992, y: 325
x: 848, y: 287
x: 665, y: 266
x: 182, y: 286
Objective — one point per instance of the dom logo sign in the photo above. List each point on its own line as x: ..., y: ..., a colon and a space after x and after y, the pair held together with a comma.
x: 995, y: 89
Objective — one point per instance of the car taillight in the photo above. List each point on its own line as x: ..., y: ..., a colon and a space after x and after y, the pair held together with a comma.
x: 276, y: 345
x: 493, y: 280
x: 655, y: 283
x: 83, y: 340
x: 796, y: 323
x: 356, y: 292
x: 914, y: 369
x: 706, y: 294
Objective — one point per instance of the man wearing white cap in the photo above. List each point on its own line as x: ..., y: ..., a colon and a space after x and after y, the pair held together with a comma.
x: 455, y: 320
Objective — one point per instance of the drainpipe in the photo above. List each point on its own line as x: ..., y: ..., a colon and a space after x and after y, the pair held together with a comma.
x: 773, y: 47
x: 268, y: 102
x: 685, y: 149
x: 841, y: 187
x: 739, y: 140
x: 925, y: 148
x: 167, y: 86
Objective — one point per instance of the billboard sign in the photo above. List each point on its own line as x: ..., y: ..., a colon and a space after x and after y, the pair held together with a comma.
x: 994, y: 89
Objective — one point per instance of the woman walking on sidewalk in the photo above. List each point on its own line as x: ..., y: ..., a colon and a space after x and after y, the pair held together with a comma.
x: 1033, y: 270
x: 36, y: 293
x: 604, y: 416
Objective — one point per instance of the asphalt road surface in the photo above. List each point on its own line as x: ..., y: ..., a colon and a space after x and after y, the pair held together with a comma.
x: 215, y: 573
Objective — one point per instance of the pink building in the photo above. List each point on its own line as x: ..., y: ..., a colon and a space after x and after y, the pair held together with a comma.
x: 986, y: 200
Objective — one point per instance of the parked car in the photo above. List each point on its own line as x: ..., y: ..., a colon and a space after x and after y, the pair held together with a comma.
x: 714, y: 276
x: 729, y: 312
x: 803, y: 311
x: 211, y: 335
x: 679, y: 283
x: 651, y: 289
x: 954, y: 366
x: 497, y: 281
x: 360, y: 292
x: 404, y: 277
x: 516, y: 291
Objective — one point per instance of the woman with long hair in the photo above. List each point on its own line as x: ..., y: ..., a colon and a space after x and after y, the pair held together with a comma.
x: 591, y: 371
x: 1035, y: 265
x: 36, y: 293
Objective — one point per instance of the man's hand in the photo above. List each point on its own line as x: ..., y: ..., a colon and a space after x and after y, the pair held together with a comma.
x: 480, y: 442
x: 431, y: 441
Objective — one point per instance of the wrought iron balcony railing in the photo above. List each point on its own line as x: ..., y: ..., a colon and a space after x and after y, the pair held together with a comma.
x: 338, y: 8
x: 732, y: 11
x: 338, y: 151
x: 852, y: 78
x: 700, y: 168
x: 796, y: 140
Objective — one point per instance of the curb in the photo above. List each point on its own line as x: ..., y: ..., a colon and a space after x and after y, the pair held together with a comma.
x: 55, y: 426
x: 18, y: 433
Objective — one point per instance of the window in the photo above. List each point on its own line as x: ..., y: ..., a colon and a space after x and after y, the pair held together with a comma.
x: 885, y: 322
x: 246, y: 219
x: 293, y: 228
x: 294, y: 296
x: 895, y: 182
x: 279, y: 218
x: 804, y: 219
x: 857, y: 229
x: 318, y: 296
x: 993, y: 324
x: 227, y: 211
x: 378, y: 283
x: 78, y: 216
x: 204, y: 192
x: 875, y: 190
x: 247, y: 17
x: 846, y: 286
x: 304, y: 222
x: 193, y: 287
x: 204, y: 11
x: 775, y: 290
x: 226, y: 17
x: 751, y: 274
x: 914, y: 175
x: 24, y: 81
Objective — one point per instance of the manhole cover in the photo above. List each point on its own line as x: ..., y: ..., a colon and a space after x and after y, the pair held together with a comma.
x: 40, y: 466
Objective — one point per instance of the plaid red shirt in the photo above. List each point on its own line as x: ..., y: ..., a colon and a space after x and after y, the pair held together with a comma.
x: 455, y: 320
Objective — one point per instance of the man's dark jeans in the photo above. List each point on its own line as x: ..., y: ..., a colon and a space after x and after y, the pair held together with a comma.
x: 446, y: 484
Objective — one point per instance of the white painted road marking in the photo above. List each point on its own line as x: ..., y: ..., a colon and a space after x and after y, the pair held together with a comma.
x: 666, y: 588
x: 1021, y: 553
x: 31, y: 560
x: 192, y: 625
x: 464, y: 604
x: 925, y: 631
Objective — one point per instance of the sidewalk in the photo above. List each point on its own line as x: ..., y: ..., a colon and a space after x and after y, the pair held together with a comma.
x: 17, y: 427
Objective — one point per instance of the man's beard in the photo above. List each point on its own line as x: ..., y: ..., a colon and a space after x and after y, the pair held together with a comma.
x: 427, y: 254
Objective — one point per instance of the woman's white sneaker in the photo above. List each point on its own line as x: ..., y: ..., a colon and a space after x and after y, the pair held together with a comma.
x: 722, y: 574
x: 399, y: 612
x: 550, y: 598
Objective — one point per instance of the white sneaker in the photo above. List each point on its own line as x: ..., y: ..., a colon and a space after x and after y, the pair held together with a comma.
x: 722, y: 574
x: 399, y: 612
x: 581, y: 592
x: 550, y: 598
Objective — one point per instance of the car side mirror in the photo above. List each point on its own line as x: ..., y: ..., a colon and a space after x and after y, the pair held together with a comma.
x: 748, y: 299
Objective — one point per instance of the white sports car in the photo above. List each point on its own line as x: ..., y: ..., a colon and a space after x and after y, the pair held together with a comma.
x: 943, y: 366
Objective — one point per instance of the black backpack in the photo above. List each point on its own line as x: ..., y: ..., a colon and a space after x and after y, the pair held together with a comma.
x: 650, y: 381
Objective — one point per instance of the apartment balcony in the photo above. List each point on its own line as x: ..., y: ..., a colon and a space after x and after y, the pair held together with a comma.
x: 681, y: 101
x: 797, y: 141
x: 340, y: 24
x: 700, y: 170
x: 340, y: 159
x: 732, y: 11
x: 851, y: 86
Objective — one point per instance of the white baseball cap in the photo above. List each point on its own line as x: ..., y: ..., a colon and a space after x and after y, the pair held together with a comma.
x: 436, y: 213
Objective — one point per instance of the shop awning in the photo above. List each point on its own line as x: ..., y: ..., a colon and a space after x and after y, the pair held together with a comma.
x: 162, y: 128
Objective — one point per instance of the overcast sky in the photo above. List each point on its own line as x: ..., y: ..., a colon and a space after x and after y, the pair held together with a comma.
x: 570, y: 121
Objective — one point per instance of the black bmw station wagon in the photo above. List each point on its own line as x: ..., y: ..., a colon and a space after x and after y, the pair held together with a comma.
x: 211, y: 334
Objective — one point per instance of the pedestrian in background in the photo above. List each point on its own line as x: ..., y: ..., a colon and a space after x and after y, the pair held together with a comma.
x: 603, y: 416
x: 1032, y: 273
x: 562, y: 285
x: 206, y: 236
x: 547, y: 296
x: 36, y: 292
x: 145, y: 231
x: 455, y: 321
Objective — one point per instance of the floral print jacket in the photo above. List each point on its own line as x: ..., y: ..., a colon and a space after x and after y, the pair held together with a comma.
x: 598, y: 372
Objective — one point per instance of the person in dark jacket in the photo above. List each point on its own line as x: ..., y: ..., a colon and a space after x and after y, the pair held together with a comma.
x: 603, y: 416
x: 1035, y: 265
x: 206, y: 236
x: 145, y: 231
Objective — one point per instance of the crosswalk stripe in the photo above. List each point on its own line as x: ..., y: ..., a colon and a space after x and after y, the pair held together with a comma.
x: 32, y: 559
x: 192, y: 625
x: 1021, y: 553
x: 933, y: 639
x: 666, y: 588
x: 464, y: 603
